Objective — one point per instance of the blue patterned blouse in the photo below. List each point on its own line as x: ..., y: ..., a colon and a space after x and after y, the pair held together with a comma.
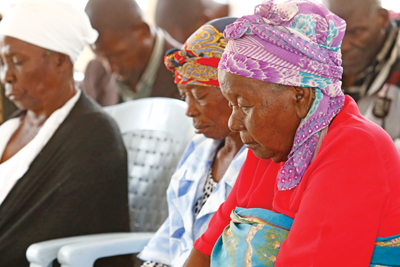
x: 174, y: 240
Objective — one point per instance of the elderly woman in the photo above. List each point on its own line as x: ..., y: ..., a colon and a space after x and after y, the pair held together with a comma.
x: 211, y: 163
x: 321, y: 183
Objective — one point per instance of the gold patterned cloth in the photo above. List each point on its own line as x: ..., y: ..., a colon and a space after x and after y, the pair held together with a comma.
x: 197, y: 62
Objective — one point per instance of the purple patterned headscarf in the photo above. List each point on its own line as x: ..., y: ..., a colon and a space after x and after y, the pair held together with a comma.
x: 297, y: 43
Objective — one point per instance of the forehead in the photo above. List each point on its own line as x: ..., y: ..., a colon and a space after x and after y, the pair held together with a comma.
x: 195, y: 87
x: 352, y: 11
x: 10, y: 45
x: 236, y: 86
x: 112, y: 41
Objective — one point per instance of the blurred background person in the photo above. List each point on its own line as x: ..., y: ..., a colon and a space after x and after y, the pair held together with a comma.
x: 371, y: 61
x: 63, y: 164
x: 182, y: 18
x: 130, y: 49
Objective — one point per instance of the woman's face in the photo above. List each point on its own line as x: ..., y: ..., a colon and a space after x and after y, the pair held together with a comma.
x: 208, y: 108
x: 267, y: 115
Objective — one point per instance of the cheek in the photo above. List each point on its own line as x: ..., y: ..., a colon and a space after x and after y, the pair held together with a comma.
x: 35, y: 81
x: 368, y: 39
x: 133, y: 59
x: 218, y: 114
x: 268, y: 129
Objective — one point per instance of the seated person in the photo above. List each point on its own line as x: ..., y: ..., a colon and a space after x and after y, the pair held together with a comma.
x: 63, y: 165
x: 371, y: 61
x: 321, y: 183
x: 211, y: 162
x: 131, y: 51
x: 181, y: 18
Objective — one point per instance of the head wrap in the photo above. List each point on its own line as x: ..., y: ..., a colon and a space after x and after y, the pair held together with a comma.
x: 50, y: 24
x: 197, y: 62
x: 296, y: 43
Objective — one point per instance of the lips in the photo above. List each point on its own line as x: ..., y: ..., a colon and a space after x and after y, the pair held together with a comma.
x: 200, y: 128
x: 248, y: 141
x: 11, y: 93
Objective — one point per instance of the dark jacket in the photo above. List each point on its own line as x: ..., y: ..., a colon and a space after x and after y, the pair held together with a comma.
x: 76, y: 185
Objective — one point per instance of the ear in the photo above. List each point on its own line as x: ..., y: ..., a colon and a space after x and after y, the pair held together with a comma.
x: 204, y: 17
x: 61, y: 62
x: 384, y: 18
x: 141, y: 30
x: 303, y: 101
x: 141, y: 36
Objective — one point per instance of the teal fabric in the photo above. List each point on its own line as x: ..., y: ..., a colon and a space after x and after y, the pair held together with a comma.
x: 386, y: 256
x: 254, y: 237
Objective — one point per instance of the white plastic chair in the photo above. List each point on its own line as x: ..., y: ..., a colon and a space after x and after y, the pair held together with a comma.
x: 155, y: 132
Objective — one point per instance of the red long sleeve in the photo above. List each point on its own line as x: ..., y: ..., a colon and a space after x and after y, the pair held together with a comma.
x: 346, y: 199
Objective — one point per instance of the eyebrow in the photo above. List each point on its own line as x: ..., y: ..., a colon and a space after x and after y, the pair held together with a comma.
x: 12, y: 53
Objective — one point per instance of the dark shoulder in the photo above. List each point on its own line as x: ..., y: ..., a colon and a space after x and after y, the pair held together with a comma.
x: 88, y: 118
x: 164, y: 85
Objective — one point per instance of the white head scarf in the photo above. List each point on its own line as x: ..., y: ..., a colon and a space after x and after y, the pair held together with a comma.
x: 51, y: 24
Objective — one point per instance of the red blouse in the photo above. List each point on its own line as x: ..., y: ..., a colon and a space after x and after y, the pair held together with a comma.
x: 349, y: 195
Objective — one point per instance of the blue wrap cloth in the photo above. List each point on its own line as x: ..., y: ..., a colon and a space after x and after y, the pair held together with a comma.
x: 254, y: 237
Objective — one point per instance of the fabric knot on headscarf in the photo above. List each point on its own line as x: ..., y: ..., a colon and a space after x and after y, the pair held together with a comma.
x: 197, y: 62
x: 51, y: 24
x: 176, y: 58
x: 295, y: 43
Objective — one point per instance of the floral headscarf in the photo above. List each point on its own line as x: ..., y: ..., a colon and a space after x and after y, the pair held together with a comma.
x: 297, y: 43
x: 197, y: 62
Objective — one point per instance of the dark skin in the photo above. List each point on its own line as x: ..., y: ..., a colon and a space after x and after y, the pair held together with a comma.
x: 126, y: 42
x: 267, y: 116
x: 365, y: 34
x: 36, y: 80
x: 182, y: 18
x: 210, y: 113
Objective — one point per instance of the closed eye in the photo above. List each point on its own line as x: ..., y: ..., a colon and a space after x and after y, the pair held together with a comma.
x: 245, y: 108
x: 199, y: 97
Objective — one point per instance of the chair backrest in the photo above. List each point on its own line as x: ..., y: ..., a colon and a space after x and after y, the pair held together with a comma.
x: 155, y: 131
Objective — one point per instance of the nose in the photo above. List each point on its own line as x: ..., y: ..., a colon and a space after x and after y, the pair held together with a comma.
x: 235, y: 123
x: 191, y: 110
x: 346, y: 44
x: 6, y: 74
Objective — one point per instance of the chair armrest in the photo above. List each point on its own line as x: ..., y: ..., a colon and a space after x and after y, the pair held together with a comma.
x: 42, y: 254
x: 86, y: 253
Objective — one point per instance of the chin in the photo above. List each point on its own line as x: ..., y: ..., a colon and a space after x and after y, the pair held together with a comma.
x: 214, y: 136
x: 269, y: 155
x: 21, y: 105
x: 262, y: 154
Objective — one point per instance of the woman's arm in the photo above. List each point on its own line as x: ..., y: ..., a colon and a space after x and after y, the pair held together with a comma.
x: 198, y: 259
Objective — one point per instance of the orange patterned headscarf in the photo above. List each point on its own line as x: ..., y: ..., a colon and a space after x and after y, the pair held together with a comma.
x: 197, y: 62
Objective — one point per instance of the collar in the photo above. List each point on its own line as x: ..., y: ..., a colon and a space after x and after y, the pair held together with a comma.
x: 16, y: 167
